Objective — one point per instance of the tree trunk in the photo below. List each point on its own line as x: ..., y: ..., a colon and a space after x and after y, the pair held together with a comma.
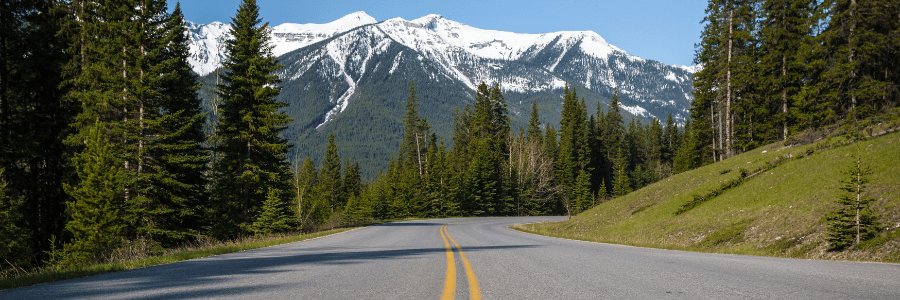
x: 850, y: 42
x: 784, y: 95
x: 728, y: 120
x: 712, y: 126
x: 418, y: 154
x: 858, y: 179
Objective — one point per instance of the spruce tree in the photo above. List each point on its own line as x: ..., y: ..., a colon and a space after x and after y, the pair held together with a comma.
x: 786, y: 27
x: 412, y: 150
x: 853, y: 222
x: 330, y: 182
x: 96, y: 222
x: 551, y: 144
x: 174, y: 160
x: 352, y: 180
x: 34, y: 119
x: 534, y: 124
x: 622, y: 185
x: 252, y: 152
x: 14, y: 249
x: 310, y: 206
x: 273, y: 216
x: 582, y: 191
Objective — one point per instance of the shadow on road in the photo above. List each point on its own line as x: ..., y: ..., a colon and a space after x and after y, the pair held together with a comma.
x: 409, y: 224
x: 201, y: 275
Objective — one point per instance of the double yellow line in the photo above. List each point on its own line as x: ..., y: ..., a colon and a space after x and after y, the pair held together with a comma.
x: 450, y: 282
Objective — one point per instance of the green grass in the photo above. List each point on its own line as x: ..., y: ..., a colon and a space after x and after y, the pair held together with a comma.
x: 249, y: 243
x: 777, y: 210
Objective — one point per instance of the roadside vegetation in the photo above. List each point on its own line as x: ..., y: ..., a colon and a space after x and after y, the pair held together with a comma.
x: 143, y: 253
x: 778, y: 200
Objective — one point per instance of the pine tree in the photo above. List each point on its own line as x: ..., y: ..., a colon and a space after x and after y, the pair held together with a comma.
x: 669, y: 140
x: 96, y: 223
x: 584, y: 198
x: 622, y: 184
x: 273, y: 216
x: 252, y: 153
x: 34, y: 120
x: 174, y: 162
x: 687, y: 155
x: 412, y: 150
x: 352, y: 180
x: 551, y: 144
x: 311, y: 207
x: 14, y: 249
x: 853, y: 221
x: 330, y: 182
x: 786, y: 27
x: 854, y: 58
x: 534, y: 124
x: 573, y: 147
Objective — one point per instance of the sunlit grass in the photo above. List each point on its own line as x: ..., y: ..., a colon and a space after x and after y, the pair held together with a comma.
x: 778, y: 212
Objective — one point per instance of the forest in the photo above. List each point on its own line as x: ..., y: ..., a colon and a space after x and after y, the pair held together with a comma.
x: 105, y: 141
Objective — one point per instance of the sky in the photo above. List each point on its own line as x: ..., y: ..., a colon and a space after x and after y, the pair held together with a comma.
x: 661, y: 30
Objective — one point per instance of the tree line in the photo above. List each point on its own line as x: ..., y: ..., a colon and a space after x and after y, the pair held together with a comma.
x: 105, y: 140
x: 487, y: 169
x: 772, y: 68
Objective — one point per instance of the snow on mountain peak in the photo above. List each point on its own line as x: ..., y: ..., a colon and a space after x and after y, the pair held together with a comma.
x: 207, y: 41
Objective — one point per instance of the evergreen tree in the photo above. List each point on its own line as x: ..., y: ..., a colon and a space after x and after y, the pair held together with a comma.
x: 311, y: 208
x: 786, y: 27
x: 412, y: 150
x: 669, y: 140
x: 687, y: 155
x: 534, y: 124
x: 584, y: 198
x: 352, y: 181
x: 96, y: 222
x: 174, y: 161
x: 330, y: 182
x: 483, y: 180
x: 14, y: 249
x: 34, y: 120
x: 273, y: 216
x: 551, y: 144
x: 622, y: 184
x: 853, y: 221
x: 573, y: 147
x: 253, y: 153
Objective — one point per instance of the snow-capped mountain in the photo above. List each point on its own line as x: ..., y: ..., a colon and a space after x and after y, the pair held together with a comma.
x: 208, y: 41
x: 338, y: 75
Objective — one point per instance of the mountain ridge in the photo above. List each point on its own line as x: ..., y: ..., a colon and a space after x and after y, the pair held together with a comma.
x: 331, y: 75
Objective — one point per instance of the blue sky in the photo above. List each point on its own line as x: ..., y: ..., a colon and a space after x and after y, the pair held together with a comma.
x: 662, y: 30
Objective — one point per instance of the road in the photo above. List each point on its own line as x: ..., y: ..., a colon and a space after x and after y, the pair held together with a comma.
x: 477, y: 258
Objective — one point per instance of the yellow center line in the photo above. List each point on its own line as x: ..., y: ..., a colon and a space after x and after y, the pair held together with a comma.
x: 450, y: 282
x: 474, y: 291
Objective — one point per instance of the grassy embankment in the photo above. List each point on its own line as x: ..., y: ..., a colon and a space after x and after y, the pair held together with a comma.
x: 776, y: 208
x: 124, y: 260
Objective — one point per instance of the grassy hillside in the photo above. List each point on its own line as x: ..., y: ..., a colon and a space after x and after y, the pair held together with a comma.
x: 777, y: 210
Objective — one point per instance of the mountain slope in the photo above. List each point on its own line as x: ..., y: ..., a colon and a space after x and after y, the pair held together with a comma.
x: 352, y: 83
x: 776, y: 212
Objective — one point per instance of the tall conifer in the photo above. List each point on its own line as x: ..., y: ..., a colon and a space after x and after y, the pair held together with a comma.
x: 330, y: 181
x: 252, y: 153
x: 96, y: 222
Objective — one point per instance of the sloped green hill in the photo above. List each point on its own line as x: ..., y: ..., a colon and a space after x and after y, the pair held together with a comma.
x: 777, y: 209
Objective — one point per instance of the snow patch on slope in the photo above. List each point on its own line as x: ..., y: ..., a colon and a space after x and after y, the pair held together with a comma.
x: 637, y: 110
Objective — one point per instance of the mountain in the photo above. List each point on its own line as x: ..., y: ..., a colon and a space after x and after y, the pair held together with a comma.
x: 350, y: 77
x: 208, y: 47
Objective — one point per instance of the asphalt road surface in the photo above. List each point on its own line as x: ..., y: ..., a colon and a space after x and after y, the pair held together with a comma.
x: 477, y: 258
